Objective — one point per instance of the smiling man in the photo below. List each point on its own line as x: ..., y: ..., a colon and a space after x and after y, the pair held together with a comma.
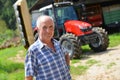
x: 45, y: 59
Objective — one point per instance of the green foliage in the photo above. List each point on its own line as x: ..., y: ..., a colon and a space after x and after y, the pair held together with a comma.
x: 5, y: 33
x: 3, y: 26
x: 30, y: 3
x: 7, y: 19
x: 1, y: 5
x: 8, y: 34
x: 7, y: 12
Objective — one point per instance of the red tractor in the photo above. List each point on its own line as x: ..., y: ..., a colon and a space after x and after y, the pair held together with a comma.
x: 71, y: 32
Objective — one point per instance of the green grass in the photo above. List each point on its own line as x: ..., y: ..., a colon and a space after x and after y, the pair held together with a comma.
x: 17, y: 75
x: 78, y: 70
x: 92, y: 62
x: 10, y: 70
x: 111, y: 65
x: 81, y: 69
x: 75, y: 61
x: 10, y: 52
x: 114, y: 39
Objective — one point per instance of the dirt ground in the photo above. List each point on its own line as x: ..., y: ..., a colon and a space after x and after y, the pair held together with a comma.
x: 108, y: 68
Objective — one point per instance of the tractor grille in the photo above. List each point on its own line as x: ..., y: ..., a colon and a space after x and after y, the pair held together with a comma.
x: 87, y: 29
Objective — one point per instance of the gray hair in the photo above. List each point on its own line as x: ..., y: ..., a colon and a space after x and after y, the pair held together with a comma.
x: 40, y: 18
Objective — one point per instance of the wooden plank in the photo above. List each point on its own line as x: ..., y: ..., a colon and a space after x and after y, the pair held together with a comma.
x: 26, y: 21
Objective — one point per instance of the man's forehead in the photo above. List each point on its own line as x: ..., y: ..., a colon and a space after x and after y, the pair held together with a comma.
x: 45, y: 18
x: 47, y: 24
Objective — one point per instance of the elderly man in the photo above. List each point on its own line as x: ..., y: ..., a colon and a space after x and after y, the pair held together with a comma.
x: 45, y: 59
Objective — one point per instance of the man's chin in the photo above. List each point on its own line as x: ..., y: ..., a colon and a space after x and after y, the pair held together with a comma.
x: 48, y: 37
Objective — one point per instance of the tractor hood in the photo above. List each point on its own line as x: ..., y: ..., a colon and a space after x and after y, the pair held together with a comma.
x: 77, y: 27
x: 76, y: 23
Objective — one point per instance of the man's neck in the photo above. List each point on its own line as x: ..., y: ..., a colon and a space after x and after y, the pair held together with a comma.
x: 46, y: 41
x: 49, y: 43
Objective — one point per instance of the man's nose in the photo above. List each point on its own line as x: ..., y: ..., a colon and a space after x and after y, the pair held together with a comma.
x: 48, y: 30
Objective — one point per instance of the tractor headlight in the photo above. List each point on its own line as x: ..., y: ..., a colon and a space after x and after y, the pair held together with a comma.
x: 87, y: 28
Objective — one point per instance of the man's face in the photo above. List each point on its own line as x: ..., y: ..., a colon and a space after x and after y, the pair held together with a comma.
x: 46, y: 30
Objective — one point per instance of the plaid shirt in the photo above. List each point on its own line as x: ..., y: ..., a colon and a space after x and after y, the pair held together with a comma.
x: 44, y: 64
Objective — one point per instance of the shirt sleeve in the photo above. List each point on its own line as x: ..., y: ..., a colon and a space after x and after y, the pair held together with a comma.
x: 30, y: 64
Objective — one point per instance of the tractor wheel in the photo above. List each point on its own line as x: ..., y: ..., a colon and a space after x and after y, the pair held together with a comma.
x: 102, y: 41
x: 70, y: 44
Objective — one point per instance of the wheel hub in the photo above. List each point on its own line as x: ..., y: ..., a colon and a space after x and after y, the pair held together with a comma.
x: 67, y: 47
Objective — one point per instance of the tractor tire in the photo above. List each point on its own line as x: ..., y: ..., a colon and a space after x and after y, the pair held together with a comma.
x: 102, y: 40
x: 70, y: 44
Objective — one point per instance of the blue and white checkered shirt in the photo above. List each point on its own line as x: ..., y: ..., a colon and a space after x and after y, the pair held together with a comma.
x: 44, y: 64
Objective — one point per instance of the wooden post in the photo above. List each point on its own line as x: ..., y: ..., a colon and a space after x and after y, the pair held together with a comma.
x: 25, y: 21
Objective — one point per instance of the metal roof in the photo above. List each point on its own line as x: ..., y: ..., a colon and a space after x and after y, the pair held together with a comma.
x: 40, y: 3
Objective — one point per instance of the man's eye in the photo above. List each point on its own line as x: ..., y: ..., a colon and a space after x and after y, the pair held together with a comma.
x: 51, y: 27
x: 44, y: 27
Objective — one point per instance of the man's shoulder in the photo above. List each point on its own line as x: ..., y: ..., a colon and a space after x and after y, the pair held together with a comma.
x: 34, y: 46
x: 55, y: 41
x: 33, y: 49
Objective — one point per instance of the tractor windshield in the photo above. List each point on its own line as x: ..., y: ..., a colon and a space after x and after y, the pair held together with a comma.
x: 65, y: 13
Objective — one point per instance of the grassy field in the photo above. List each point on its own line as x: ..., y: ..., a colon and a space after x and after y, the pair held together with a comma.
x: 12, y: 70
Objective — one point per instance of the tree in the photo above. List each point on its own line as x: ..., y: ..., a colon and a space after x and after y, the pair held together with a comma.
x: 1, y: 5
x: 8, y: 14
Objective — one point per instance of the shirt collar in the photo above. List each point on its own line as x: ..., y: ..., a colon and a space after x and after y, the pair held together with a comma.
x: 41, y: 44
